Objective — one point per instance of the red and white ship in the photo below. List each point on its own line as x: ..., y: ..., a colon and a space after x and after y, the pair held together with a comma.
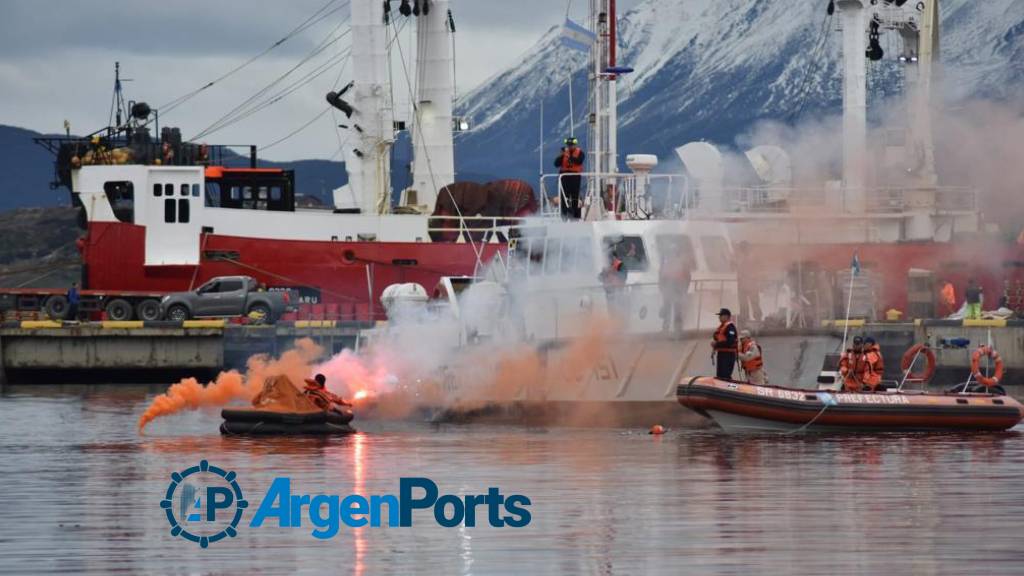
x: 166, y: 215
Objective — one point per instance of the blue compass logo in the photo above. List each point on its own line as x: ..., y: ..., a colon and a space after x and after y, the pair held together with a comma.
x: 209, y: 504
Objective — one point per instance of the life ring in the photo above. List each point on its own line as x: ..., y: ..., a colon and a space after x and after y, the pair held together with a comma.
x: 987, y: 381
x: 911, y: 355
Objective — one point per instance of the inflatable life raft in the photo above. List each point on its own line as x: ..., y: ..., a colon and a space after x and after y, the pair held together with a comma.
x: 738, y: 406
x: 253, y: 421
x: 282, y: 409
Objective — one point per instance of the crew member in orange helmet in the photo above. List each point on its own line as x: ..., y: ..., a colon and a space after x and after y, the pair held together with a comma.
x: 316, y: 390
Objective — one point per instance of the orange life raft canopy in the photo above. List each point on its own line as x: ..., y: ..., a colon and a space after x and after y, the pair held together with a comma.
x: 281, y: 409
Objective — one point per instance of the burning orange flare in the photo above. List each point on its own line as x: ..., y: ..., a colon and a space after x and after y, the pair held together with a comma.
x: 361, y: 394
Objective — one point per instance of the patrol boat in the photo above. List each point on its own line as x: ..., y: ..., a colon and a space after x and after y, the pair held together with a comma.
x: 739, y: 406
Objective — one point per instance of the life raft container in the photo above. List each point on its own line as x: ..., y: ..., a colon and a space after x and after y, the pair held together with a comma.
x: 909, y: 360
x: 987, y: 381
x: 265, y: 422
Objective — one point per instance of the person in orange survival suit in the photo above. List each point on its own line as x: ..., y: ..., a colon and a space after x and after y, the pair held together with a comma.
x: 873, y: 365
x: 849, y: 366
x: 724, y: 344
x: 316, y: 390
x: 751, y: 359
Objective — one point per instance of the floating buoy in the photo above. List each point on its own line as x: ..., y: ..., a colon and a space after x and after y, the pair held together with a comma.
x: 656, y: 429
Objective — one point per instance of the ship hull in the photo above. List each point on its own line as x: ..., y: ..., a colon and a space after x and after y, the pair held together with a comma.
x: 348, y: 277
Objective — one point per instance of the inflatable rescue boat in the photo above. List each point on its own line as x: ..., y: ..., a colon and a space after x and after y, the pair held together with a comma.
x: 281, y: 409
x: 738, y: 406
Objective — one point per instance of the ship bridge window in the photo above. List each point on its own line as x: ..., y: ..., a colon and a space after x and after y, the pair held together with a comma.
x: 158, y: 190
x: 121, y: 195
x: 630, y: 249
x: 170, y: 210
x: 184, y: 189
x: 576, y: 255
x: 195, y: 190
x: 552, y: 249
x: 259, y: 190
x: 213, y: 194
x: 675, y: 247
x: 183, y: 211
x: 717, y: 254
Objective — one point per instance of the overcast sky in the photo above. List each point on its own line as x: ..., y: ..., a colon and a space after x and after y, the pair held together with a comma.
x: 57, y: 58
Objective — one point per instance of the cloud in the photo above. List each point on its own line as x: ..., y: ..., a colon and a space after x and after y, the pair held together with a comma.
x: 58, y: 60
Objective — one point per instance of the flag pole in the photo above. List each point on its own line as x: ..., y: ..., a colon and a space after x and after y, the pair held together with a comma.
x: 849, y: 298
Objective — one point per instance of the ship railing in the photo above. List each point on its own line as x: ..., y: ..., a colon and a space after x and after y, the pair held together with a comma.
x: 464, y: 229
x: 767, y: 199
x: 74, y: 152
x: 887, y: 200
x: 941, y: 198
x: 630, y: 195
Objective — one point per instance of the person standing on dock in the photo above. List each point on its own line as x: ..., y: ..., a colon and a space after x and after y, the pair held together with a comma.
x: 73, y: 300
x: 724, y: 345
x: 974, y: 297
x: 751, y: 359
x: 570, y: 165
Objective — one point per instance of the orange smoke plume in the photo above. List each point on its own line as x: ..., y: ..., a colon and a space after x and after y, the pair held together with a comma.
x: 189, y: 394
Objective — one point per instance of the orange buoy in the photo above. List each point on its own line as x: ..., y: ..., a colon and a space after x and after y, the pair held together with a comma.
x: 911, y: 355
x: 987, y: 381
x: 656, y: 429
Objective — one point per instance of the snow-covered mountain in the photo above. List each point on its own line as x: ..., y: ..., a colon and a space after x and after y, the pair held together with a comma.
x: 712, y: 69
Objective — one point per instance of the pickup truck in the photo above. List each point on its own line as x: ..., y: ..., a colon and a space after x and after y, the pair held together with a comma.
x: 226, y: 296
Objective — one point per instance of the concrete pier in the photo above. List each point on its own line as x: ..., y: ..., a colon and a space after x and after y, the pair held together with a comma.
x: 141, y: 352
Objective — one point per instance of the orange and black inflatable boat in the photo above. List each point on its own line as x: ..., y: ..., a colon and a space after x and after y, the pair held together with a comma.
x: 738, y: 406
x: 282, y: 409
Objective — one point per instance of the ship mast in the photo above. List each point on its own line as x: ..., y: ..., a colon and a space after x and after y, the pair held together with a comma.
x: 433, y: 164
x: 368, y: 161
x: 603, y: 136
x: 852, y: 16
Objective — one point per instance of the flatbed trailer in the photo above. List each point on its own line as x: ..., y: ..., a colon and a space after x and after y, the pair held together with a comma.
x: 53, y: 303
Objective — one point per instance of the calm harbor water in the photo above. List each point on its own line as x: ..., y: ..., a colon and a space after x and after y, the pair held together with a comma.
x: 80, y: 492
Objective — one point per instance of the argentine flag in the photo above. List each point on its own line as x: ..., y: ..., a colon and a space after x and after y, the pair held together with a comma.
x: 577, y: 37
x: 855, y: 265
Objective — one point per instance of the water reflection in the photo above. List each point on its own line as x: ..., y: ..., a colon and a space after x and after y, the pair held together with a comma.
x: 606, y: 501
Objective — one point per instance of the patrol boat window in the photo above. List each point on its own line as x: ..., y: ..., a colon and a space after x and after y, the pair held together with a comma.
x: 717, y: 254
x: 675, y: 247
x: 630, y: 249
x: 575, y: 255
x: 551, y: 255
